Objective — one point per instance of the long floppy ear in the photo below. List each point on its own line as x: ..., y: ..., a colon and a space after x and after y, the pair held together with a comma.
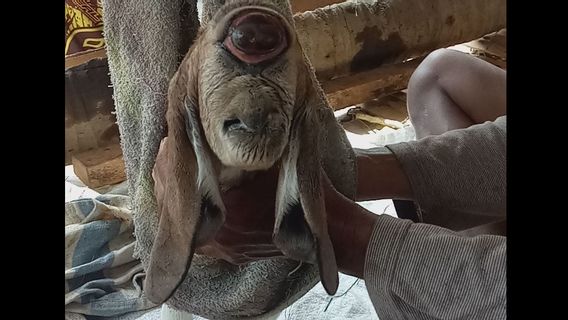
x: 186, y: 189
x: 301, y: 224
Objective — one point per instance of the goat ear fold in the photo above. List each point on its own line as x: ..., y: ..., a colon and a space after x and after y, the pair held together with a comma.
x: 301, y: 224
x: 187, y: 193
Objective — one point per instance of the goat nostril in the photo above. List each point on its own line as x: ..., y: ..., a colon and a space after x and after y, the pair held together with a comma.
x: 232, y: 124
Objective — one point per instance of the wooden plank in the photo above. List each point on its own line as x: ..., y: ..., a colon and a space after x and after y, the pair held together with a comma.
x: 80, y: 58
x: 89, y: 119
x: 100, y: 167
x: 364, y: 86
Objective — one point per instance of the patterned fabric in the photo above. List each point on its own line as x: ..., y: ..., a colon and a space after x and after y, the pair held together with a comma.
x: 101, y: 276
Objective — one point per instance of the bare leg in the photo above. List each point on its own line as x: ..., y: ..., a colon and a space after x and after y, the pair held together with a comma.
x: 452, y: 90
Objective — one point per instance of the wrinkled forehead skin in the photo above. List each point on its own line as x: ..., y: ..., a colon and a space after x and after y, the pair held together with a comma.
x: 214, y: 8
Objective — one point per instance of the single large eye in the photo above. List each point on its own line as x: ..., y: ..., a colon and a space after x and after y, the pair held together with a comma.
x: 255, y: 37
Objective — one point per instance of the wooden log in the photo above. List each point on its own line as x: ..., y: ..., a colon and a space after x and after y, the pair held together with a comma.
x: 351, y: 37
x: 100, y: 167
x: 309, y: 5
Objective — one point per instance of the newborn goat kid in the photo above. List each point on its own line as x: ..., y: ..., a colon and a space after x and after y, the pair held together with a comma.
x: 244, y: 99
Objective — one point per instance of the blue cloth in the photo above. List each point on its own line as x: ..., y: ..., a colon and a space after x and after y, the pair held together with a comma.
x: 102, y: 278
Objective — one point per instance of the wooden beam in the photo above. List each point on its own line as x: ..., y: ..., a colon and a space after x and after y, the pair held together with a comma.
x: 364, y: 86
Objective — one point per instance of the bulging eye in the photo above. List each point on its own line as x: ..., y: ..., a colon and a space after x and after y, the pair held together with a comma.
x: 255, y: 37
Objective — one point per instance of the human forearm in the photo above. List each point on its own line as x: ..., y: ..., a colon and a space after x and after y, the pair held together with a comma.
x: 380, y: 176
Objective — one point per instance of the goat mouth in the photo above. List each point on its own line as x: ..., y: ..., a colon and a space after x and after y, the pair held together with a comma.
x: 256, y: 36
x: 257, y: 154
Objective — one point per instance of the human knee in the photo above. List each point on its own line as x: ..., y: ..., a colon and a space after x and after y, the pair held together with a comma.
x: 427, y: 76
x: 432, y: 67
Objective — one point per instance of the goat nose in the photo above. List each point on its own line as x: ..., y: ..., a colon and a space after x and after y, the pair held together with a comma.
x: 253, y: 122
